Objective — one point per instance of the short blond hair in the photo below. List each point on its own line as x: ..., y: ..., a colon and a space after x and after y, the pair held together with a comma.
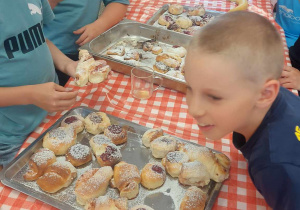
x: 248, y: 39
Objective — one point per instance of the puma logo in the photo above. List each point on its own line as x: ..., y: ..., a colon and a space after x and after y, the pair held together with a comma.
x: 34, y: 9
x: 297, y: 132
x: 286, y: 9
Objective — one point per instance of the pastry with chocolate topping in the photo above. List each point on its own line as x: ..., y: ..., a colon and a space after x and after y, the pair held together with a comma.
x: 76, y: 121
x: 116, y: 133
x: 79, y: 154
x: 161, y: 146
x: 60, y: 139
x: 153, y: 175
x: 96, y: 122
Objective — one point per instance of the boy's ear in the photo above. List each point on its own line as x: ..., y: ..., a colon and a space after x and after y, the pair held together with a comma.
x: 268, y: 93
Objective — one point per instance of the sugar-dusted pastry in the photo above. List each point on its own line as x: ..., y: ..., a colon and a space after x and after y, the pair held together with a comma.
x: 163, y: 68
x: 161, y: 146
x: 157, y: 50
x: 153, y: 175
x: 132, y: 55
x: 194, y: 173
x: 116, y: 133
x: 175, y: 9
x: 107, y: 154
x: 177, y: 74
x: 100, y: 72
x: 84, y: 66
x: 107, y: 203
x: 174, y: 27
x: 57, y: 176
x: 173, y: 162
x: 127, y: 179
x: 197, y: 20
x: 196, y: 10
x: 170, y: 60
x: 184, y: 22
x: 165, y: 20
x: 84, y: 55
x: 147, y: 45
x: 38, y: 163
x: 177, y: 50
x: 116, y: 50
x: 92, y: 183
x: 194, y: 199
x: 60, y: 139
x: 96, y: 122
x: 141, y: 207
x: 150, y: 135
x: 76, y: 121
x: 79, y: 154
x: 218, y: 172
x: 97, y: 140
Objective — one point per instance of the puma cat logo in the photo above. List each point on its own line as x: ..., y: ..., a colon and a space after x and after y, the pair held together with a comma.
x: 34, y: 9
x: 297, y: 132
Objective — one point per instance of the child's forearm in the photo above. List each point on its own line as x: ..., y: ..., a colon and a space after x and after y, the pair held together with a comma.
x: 15, y: 95
x: 112, y: 14
x: 61, y: 61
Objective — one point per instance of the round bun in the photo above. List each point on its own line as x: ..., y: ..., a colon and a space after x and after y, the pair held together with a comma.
x: 38, y: 163
x: 76, y: 121
x: 177, y: 50
x: 165, y: 20
x: 108, y: 155
x: 96, y: 122
x: 150, y: 135
x: 116, y: 133
x: 184, y: 22
x: 176, y: 9
x: 79, y: 154
x: 100, y: 72
x: 194, y: 199
x: 153, y: 175
x: 93, y: 183
x: 173, y: 162
x: 141, y: 207
x: 194, y: 173
x: 196, y: 11
x: 161, y: 146
x: 157, y: 50
x: 57, y: 176
x: 171, y: 60
x: 60, y: 139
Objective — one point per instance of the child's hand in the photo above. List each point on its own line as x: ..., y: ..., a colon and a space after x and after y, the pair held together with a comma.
x: 52, y: 97
x: 290, y: 78
x: 88, y: 33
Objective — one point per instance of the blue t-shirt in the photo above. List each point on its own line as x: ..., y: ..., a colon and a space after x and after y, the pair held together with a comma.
x: 288, y: 17
x: 25, y: 59
x: 71, y: 15
x: 273, y: 153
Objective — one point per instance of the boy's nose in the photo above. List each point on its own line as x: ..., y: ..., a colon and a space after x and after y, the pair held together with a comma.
x: 196, y: 109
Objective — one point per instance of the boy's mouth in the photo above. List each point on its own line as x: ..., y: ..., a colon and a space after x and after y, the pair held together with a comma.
x: 205, y: 127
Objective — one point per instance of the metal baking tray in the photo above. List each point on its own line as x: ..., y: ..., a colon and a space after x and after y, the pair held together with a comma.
x: 168, y: 196
x: 164, y: 10
x: 128, y: 29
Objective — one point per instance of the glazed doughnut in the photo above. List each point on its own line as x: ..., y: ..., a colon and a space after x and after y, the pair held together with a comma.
x: 79, y: 154
x: 194, y: 199
x: 194, y: 173
x: 96, y: 122
x: 108, y: 155
x: 175, y: 9
x: 161, y: 146
x: 76, y: 121
x: 153, y: 175
x: 57, y: 176
x: 116, y: 133
x: 173, y: 162
x: 150, y: 135
x: 60, y: 139
x: 184, y: 22
x: 196, y: 11
x: 38, y: 163
x: 92, y: 183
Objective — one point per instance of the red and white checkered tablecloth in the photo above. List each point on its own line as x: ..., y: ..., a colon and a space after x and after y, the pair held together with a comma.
x: 166, y: 109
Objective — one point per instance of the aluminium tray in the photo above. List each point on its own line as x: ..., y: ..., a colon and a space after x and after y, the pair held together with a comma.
x: 164, y: 10
x: 166, y: 197
x: 128, y: 29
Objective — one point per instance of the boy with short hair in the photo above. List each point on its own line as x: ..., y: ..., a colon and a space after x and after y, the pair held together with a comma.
x: 232, y: 70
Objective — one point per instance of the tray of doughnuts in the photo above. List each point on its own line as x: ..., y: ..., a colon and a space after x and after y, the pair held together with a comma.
x: 92, y: 160
x: 129, y: 44
x: 183, y: 19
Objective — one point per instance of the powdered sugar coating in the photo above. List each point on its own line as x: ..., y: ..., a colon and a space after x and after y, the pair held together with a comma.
x: 177, y: 157
x: 95, y: 118
x: 61, y: 135
x: 42, y: 156
x: 101, y: 139
x: 111, y: 153
x: 79, y: 151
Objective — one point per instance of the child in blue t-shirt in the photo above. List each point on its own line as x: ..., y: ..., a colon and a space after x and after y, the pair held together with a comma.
x: 27, y: 77
x: 76, y: 22
x: 232, y: 70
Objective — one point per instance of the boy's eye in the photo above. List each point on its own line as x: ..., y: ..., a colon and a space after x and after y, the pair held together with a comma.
x: 215, y: 98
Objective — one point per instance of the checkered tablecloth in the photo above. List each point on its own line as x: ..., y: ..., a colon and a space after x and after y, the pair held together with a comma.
x: 166, y: 109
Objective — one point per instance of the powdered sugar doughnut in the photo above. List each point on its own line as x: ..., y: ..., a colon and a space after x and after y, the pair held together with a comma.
x: 161, y: 146
x: 116, y: 133
x: 173, y: 162
x: 96, y: 122
x: 76, y: 121
x: 79, y: 154
x: 153, y: 175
